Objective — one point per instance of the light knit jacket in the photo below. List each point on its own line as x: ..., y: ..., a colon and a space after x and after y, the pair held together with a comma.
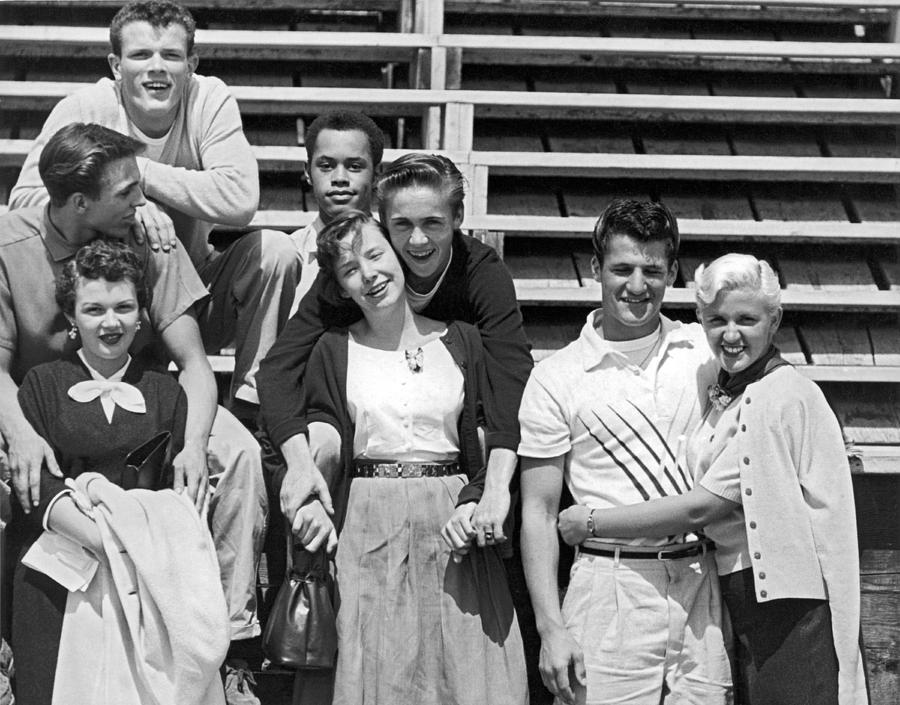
x: 206, y: 174
x: 798, y: 507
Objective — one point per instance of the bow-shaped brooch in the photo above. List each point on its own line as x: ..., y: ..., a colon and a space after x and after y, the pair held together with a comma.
x: 415, y: 360
x: 719, y: 398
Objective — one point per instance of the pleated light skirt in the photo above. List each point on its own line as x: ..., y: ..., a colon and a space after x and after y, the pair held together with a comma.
x: 413, y: 626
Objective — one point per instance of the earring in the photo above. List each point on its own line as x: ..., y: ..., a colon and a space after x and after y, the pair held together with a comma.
x: 73, y: 333
x: 138, y: 326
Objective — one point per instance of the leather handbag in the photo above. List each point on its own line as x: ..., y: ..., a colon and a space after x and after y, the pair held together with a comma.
x: 301, y: 630
x: 145, y: 466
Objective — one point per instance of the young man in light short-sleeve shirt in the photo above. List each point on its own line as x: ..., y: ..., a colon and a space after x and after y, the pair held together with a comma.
x: 608, y: 414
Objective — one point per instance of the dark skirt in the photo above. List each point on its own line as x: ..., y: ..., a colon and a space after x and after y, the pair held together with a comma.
x: 785, y: 649
x: 39, y: 604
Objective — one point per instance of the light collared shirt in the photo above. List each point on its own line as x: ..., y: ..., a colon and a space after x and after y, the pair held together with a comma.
x: 305, y: 240
x: 32, y: 254
x: 621, y: 428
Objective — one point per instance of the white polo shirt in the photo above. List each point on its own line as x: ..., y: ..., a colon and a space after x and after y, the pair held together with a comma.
x: 619, y: 427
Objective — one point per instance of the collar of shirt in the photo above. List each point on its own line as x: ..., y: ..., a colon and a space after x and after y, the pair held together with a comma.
x: 595, y: 349
x: 114, y: 377
x: 59, y: 248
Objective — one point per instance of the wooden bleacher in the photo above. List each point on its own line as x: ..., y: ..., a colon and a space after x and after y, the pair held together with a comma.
x: 767, y: 126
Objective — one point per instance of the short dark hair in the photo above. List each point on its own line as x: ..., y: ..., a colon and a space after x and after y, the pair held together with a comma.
x: 157, y: 13
x: 328, y: 241
x: 419, y: 169
x: 346, y: 121
x: 642, y: 221
x: 73, y: 159
x: 103, y: 258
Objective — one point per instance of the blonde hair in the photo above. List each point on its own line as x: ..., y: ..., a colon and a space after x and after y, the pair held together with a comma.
x: 736, y: 271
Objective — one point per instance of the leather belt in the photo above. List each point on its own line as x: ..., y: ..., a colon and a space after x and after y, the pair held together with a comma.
x: 666, y: 553
x: 405, y: 470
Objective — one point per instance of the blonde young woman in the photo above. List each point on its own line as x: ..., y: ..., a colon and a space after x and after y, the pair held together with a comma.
x: 773, y: 491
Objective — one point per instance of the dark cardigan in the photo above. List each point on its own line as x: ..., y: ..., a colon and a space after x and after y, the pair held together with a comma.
x: 326, y: 401
x: 477, y: 289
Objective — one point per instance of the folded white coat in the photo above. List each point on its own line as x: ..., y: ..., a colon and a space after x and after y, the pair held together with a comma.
x: 152, y: 627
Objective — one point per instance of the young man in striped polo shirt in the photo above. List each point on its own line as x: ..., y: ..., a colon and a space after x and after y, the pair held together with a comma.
x: 608, y: 415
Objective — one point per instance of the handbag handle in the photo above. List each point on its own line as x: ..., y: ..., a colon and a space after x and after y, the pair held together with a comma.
x: 301, y: 563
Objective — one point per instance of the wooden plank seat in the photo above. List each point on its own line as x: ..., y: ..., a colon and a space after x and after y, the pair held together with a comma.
x: 703, y: 167
x: 825, y: 10
x: 832, y: 57
x: 735, y: 231
x: 27, y: 40
x: 719, y: 54
x: 518, y: 104
x: 270, y: 158
x: 358, y: 5
x: 858, y: 11
x: 653, y: 166
x: 810, y: 300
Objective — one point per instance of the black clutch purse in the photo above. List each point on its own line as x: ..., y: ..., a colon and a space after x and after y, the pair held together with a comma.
x: 301, y: 630
x: 145, y: 466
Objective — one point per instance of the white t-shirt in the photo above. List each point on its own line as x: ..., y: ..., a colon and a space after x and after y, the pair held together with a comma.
x: 154, y: 146
x: 621, y: 428
x: 400, y: 414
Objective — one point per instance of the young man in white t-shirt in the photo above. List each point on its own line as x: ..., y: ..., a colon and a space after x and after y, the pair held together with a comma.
x: 608, y: 415
x: 343, y: 150
x: 197, y: 171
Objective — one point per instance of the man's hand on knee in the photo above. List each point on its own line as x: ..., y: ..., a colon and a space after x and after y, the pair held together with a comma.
x: 26, y: 455
x: 192, y: 473
x: 155, y: 226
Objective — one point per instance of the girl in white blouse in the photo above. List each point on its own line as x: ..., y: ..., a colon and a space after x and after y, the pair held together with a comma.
x: 400, y: 397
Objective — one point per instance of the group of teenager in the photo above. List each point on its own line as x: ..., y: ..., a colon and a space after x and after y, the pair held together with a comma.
x: 384, y: 360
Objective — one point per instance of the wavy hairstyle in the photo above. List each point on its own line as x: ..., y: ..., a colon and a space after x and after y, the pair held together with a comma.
x: 420, y: 169
x: 74, y: 159
x: 642, y: 221
x: 104, y: 258
x: 737, y: 272
x: 158, y: 14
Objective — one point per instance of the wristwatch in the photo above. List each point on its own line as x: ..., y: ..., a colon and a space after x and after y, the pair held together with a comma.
x: 590, y: 523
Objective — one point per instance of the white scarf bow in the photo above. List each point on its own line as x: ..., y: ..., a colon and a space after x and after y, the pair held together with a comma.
x: 111, y: 394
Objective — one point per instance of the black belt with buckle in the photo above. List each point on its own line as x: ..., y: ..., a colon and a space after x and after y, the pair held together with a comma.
x: 404, y: 470
x: 667, y: 553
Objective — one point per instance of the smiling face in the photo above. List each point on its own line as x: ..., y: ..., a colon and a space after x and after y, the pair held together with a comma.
x: 106, y: 315
x: 153, y: 71
x: 739, y: 328
x: 421, y: 221
x: 341, y: 173
x: 633, y: 277
x: 368, y: 270
x: 112, y: 212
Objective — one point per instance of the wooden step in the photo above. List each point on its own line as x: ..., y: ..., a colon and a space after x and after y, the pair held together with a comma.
x: 517, y: 104
x: 731, y: 54
x: 884, y: 301
x: 704, y: 167
x: 28, y: 40
x: 833, y: 57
